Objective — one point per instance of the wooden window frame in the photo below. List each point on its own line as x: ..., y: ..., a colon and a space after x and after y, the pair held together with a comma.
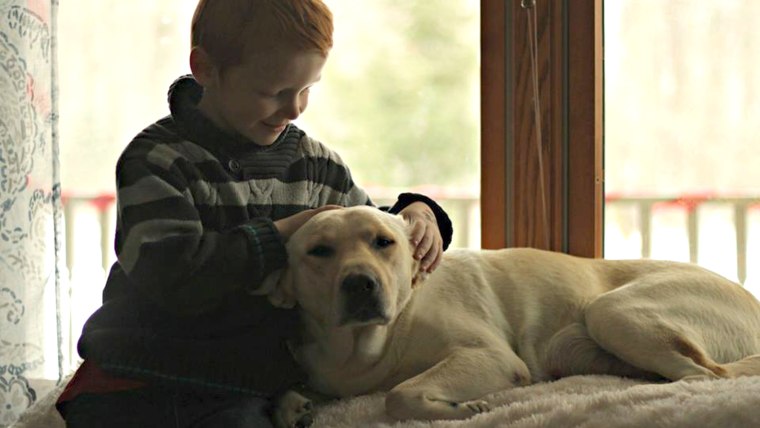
x: 569, y: 34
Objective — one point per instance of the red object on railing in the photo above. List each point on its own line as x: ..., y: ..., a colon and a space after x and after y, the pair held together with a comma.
x: 613, y: 196
x: 689, y: 201
x: 102, y: 202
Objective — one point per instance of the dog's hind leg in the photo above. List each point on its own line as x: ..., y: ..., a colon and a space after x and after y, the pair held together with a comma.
x: 453, y: 388
x: 686, y: 323
x: 571, y: 351
x: 655, y: 342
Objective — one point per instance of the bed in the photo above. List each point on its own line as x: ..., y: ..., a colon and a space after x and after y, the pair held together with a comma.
x: 578, y: 401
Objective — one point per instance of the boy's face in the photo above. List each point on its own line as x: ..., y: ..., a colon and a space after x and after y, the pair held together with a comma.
x: 258, y: 98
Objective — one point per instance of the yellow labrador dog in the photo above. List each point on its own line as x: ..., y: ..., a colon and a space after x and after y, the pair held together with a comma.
x: 489, y: 320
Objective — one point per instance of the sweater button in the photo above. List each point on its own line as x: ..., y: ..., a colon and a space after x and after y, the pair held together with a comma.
x: 234, y: 165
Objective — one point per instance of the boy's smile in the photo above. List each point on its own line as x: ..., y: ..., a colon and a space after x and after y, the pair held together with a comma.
x: 260, y: 97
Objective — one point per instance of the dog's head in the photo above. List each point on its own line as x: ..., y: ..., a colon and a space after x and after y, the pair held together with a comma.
x: 348, y: 267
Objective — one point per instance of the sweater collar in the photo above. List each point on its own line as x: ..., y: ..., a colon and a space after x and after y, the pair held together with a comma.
x: 184, y: 95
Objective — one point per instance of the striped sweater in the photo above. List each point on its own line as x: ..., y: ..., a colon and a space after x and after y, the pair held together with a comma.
x: 195, y: 229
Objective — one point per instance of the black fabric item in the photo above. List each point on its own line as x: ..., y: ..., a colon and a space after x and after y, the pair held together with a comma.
x: 444, y: 223
x: 157, y: 407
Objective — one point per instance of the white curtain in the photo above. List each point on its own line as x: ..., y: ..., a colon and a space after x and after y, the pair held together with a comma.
x: 33, y: 346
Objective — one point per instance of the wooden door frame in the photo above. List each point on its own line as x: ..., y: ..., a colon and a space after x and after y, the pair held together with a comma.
x: 569, y: 34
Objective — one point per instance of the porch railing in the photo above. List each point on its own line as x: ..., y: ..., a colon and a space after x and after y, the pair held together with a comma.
x: 691, y: 206
x: 89, y: 222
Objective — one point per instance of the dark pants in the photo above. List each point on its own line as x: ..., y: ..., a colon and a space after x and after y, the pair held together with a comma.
x: 165, y: 408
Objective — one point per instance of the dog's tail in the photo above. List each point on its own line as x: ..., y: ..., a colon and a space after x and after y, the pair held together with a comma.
x: 749, y: 366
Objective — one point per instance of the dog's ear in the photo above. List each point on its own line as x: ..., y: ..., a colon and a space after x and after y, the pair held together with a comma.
x: 283, y: 296
x: 418, y: 278
x: 278, y: 286
x: 418, y: 275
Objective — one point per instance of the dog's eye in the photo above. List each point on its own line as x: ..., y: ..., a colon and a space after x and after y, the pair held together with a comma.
x: 383, y: 242
x: 321, y: 251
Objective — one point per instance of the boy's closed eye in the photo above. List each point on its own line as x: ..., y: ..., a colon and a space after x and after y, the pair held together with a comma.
x: 283, y: 93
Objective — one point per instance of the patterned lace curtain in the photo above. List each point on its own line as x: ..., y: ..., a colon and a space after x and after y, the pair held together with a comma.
x: 32, y: 342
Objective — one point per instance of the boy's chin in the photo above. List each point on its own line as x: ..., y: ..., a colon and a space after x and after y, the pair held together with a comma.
x: 264, y: 143
x: 263, y: 138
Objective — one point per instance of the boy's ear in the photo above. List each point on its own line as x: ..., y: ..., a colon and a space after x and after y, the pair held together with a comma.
x: 278, y: 285
x: 203, y: 68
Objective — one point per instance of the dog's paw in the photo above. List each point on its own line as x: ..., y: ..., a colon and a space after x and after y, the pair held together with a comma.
x: 465, y: 409
x: 477, y: 406
x: 293, y: 410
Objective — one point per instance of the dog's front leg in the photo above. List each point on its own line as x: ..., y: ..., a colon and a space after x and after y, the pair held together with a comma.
x: 295, y: 407
x: 292, y: 410
x: 453, y: 388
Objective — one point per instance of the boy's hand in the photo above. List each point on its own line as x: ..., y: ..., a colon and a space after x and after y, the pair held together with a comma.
x: 287, y: 226
x: 425, y: 235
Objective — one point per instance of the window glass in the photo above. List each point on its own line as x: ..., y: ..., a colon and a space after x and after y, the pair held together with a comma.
x: 682, y: 135
x: 399, y: 100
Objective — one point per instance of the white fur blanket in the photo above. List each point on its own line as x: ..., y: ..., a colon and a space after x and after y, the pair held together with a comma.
x: 579, y: 401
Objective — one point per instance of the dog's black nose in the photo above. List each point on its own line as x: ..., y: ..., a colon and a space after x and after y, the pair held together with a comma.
x: 362, y: 299
x: 359, y: 285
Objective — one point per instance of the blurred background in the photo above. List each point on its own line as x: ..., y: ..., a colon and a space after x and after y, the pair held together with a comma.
x: 399, y: 100
x: 682, y: 133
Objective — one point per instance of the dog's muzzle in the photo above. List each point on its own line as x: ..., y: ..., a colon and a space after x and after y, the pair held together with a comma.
x: 362, y: 300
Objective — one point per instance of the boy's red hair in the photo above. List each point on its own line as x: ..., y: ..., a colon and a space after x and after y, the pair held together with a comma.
x: 228, y: 29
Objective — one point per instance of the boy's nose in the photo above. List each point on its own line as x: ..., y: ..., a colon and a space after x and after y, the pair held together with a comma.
x: 292, y: 109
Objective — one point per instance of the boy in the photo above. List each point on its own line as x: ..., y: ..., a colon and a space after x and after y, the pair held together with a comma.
x: 206, y: 199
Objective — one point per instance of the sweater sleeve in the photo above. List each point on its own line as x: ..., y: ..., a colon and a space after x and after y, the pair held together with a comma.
x: 166, y: 251
x: 444, y: 223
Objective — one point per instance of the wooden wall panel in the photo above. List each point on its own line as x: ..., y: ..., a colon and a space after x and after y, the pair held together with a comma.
x: 585, y: 129
x: 493, y: 100
x: 569, y: 78
x: 532, y: 225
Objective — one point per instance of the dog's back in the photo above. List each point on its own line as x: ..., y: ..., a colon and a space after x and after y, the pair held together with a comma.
x: 526, y: 296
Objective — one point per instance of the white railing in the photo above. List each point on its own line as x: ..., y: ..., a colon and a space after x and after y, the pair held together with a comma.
x: 89, y: 224
x: 706, y: 221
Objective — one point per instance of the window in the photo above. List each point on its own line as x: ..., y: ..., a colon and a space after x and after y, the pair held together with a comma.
x: 570, y: 41
x: 682, y: 161
x: 399, y: 100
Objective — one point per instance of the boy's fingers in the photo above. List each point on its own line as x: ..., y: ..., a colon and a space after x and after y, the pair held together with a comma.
x: 418, y: 233
x: 435, y: 252
x: 312, y: 212
x: 425, y: 251
x: 436, y: 262
x: 327, y: 208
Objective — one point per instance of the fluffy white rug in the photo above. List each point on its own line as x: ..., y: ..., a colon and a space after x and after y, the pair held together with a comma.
x: 586, y: 401
x: 579, y: 401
